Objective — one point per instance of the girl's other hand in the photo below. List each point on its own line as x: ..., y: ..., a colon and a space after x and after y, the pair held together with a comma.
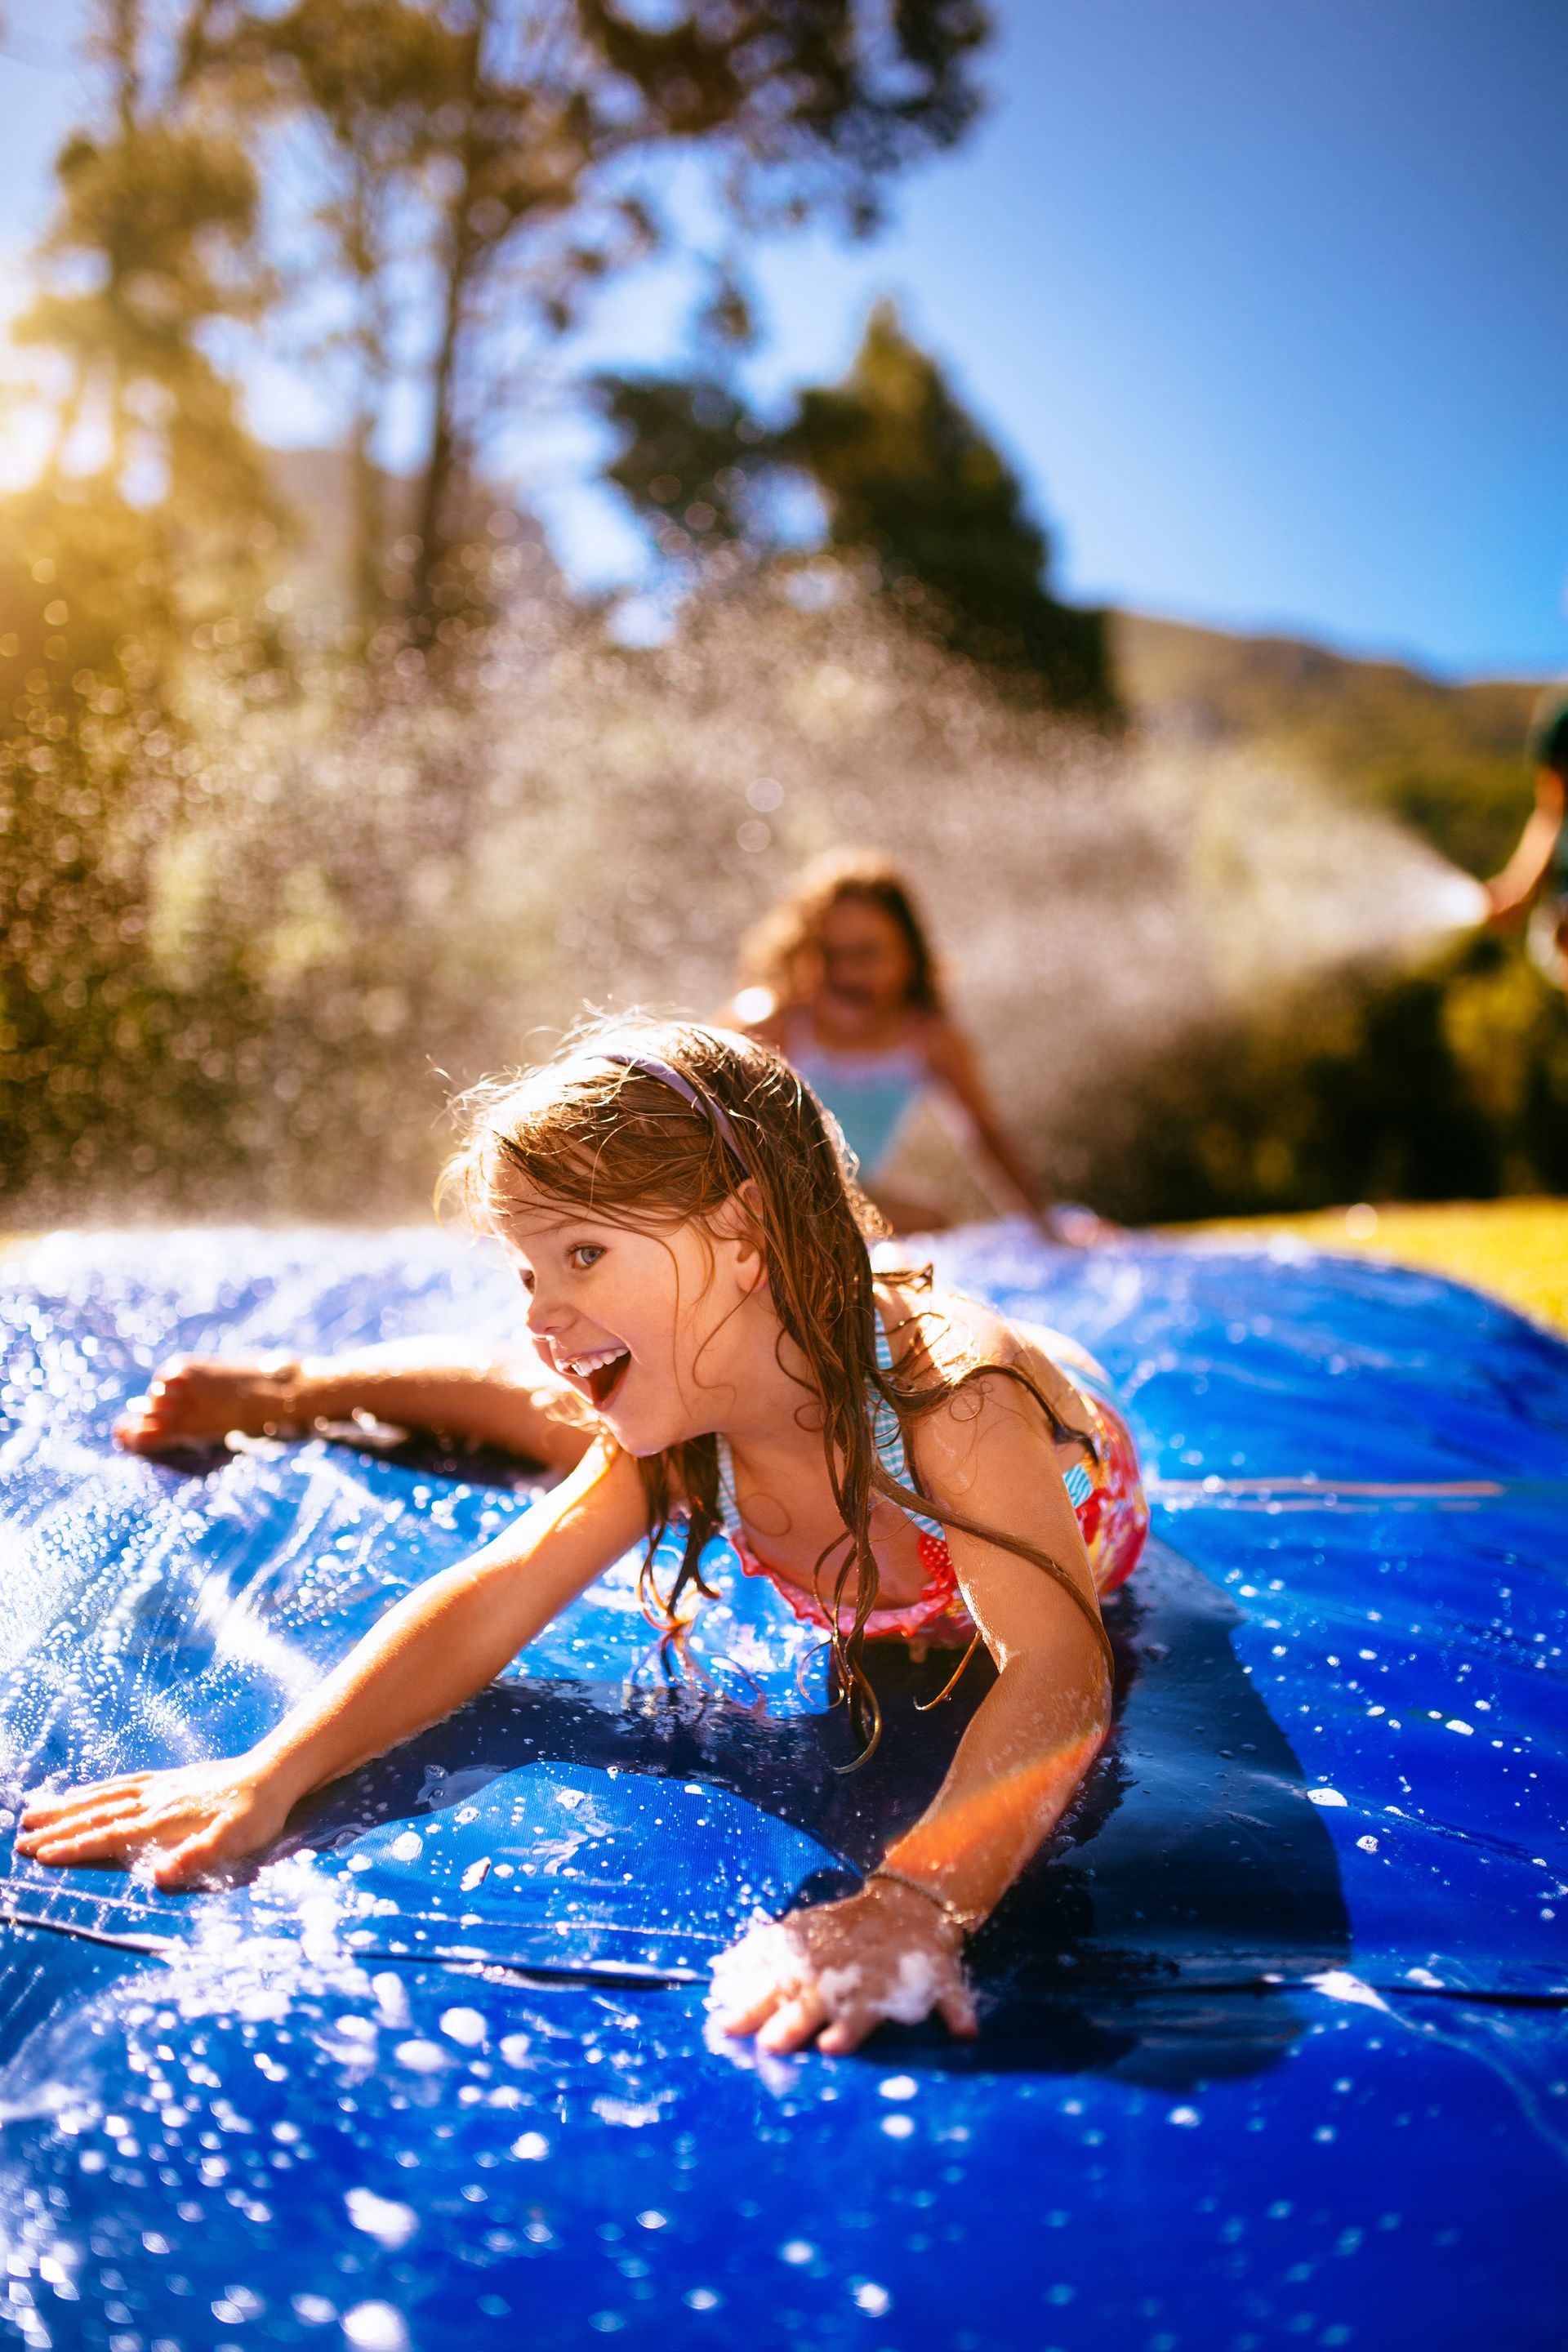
x: 196, y: 1401
x: 1080, y: 1228
x: 178, y: 1825
x: 834, y: 1973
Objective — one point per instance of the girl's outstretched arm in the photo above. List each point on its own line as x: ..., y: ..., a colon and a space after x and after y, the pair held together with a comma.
x: 439, y: 1644
x: 892, y: 1950
x: 953, y: 1062
x: 505, y: 1397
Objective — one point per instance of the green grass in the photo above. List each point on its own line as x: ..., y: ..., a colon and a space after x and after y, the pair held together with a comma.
x: 1518, y: 1249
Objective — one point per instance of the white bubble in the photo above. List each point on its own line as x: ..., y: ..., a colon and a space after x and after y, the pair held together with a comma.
x: 532, y: 2146
x: 422, y: 2057
x: 381, y: 2217
x: 465, y: 2025
x: 391, y: 1997
x: 376, y: 2328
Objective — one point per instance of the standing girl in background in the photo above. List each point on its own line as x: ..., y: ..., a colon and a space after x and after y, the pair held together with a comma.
x: 840, y: 979
x: 713, y: 1350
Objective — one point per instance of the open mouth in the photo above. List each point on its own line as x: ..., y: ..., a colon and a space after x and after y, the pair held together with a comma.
x: 599, y: 1368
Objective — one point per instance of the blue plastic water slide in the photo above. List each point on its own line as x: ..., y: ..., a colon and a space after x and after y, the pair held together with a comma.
x: 1273, y: 2050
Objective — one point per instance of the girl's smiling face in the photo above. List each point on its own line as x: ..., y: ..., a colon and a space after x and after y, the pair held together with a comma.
x: 650, y: 1327
x: 867, y: 965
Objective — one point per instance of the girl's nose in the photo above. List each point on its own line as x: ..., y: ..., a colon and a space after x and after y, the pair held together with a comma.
x: 544, y: 1317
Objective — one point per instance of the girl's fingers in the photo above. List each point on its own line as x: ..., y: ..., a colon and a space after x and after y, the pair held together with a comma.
x: 41, y: 1844
x: 791, y: 2027
x: 53, y: 1801
x: 110, y: 1844
x: 196, y: 1855
x: 83, y: 1812
x: 956, y: 2010
x: 747, y: 2020
x: 844, y: 2034
x: 787, y: 1982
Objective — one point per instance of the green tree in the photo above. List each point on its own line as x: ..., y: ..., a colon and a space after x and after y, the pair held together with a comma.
x: 693, y: 461
x: 496, y: 161
x: 908, y: 479
x: 912, y: 481
x: 141, y: 528
x: 151, y: 246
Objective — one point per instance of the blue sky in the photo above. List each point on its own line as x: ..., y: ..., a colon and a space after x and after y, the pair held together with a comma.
x: 1265, y: 297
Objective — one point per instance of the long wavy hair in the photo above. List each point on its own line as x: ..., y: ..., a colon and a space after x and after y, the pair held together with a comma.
x: 776, y: 952
x: 597, y: 1128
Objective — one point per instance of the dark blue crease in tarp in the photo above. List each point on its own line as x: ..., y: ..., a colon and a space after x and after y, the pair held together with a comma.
x: 1270, y: 1992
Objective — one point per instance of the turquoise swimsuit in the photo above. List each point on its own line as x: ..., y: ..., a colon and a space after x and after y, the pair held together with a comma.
x: 870, y: 1095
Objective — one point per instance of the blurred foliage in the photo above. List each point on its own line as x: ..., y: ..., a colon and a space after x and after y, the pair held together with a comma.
x: 911, y: 484
x: 218, y: 913
x: 1446, y: 759
x: 1450, y: 1081
x: 694, y: 462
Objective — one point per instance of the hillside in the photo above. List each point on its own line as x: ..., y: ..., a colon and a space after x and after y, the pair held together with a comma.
x: 1446, y: 759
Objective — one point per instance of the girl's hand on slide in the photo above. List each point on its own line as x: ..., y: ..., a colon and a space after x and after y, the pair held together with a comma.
x: 1077, y: 1227
x: 178, y: 1824
x: 834, y: 1973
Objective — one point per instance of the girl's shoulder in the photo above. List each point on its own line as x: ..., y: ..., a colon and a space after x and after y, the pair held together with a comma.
x: 947, y: 1052
x: 940, y: 1336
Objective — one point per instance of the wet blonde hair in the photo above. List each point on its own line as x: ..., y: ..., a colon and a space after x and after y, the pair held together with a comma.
x: 654, y: 1124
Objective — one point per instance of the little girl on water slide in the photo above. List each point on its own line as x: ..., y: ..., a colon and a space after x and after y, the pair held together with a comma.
x: 712, y: 1351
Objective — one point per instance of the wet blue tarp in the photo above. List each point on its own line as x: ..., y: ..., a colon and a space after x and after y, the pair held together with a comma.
x: 1272, y: 2050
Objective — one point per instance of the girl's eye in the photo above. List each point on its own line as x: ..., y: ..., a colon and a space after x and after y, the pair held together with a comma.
x: 582, y: 1254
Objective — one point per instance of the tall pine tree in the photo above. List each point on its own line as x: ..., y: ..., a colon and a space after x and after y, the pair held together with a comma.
x: 911, y: 480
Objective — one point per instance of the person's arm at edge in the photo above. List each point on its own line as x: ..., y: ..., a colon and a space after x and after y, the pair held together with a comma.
x: 1512, y: 890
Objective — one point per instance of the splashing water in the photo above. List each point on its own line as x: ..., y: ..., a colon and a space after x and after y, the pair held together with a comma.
x: 418, y: 894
